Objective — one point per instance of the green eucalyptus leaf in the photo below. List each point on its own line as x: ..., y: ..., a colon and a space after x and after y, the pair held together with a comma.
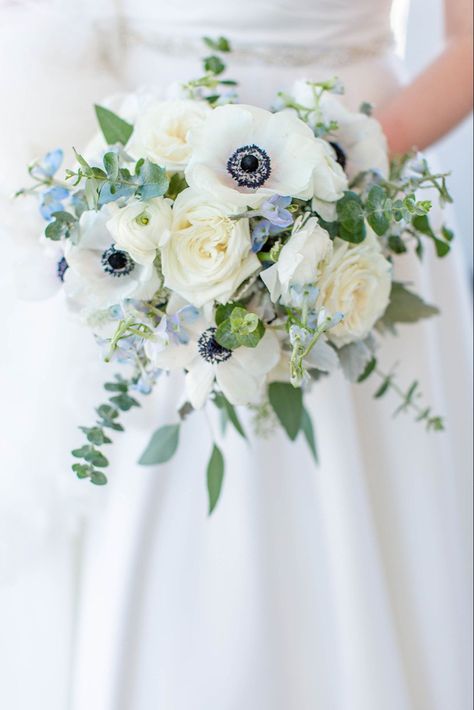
x: 225, y: 336
x: 124, y: 402
x: 177, y: 184
x: 231, y: 415
x: 350, y: 213
x: 287, y: 403
x: 215, y: 477
x: 405, y: 307
x: 370, y: 367
x: 308, y: 431
x: 98, y: 478
x: 152, y: 179
x: 214, y: 65
x: 221, y: 44
x: 162, y: 446
x: 114, y: 128
x: 95, y: 435
x: 378, y: 210
x: 111, y: 165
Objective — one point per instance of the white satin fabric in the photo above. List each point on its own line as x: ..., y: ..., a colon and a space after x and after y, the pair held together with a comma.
x: 341, y: 587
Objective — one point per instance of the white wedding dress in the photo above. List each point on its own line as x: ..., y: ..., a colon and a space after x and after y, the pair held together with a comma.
x: 343, y: 586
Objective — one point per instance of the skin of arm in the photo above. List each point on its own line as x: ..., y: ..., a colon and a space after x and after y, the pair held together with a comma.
x: 441, y: 96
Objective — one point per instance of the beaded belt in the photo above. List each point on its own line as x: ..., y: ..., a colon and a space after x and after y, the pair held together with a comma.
x: 277, y: 54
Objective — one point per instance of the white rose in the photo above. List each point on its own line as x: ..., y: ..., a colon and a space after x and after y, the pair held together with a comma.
x: 356, y: 282
x: 141, y: 227
x: 208, y: 255
x: 161, y: 132
x: 299, y: 261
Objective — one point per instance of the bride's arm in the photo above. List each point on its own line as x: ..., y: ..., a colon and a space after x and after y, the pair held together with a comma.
x: 441, y: 95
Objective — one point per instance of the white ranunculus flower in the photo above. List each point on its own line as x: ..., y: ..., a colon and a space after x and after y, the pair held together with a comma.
x: 161, y: 132
x: 240, y: 374
x: 99, y: 274
x: 245, y: 154
x: 359, y: 139
x: 356, y: 281
x: 208, y: 254
x: 300, y: 260
x: 141, y: 227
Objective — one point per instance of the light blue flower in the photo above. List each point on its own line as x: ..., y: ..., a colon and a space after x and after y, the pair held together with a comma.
x: 173, y: 328
x: 51, y: 201
x: 48, y: 165
x: 274, y: 209
x: 147, y: 380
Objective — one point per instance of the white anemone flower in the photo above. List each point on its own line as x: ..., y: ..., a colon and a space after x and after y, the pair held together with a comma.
x: 41, y: 274
x: 359, y: 142
x: 100, y: 274
x: 245, y: 154
x: 240, y: 374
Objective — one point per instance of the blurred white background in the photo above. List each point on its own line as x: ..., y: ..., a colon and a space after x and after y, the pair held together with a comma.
x: 422, y: 43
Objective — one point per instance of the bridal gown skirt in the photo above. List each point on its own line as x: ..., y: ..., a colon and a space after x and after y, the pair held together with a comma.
x: 342, y: 586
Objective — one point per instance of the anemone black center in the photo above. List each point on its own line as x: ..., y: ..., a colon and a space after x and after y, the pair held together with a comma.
x: 340, y: 155
x: 249, y: 166
x: 117, y: 262
x: 209, y: 348
x: 61, y: 267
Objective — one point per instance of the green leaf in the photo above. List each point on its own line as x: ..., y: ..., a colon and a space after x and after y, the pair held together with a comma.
x: 224, y: 404
x: 370, y: 367
x: 405, y: 307
x: 111, y: 165
x: 215, y: 476
x: 308, y: 431
x: 221, y: 44
x: 422, y: 224
x: 82, y: 470
x: 378, y: 210
x: 62, y: 226
x: 95, y: 435
x: 350, y: 212
x: 396, y: 244
x: 116, y: 386
x: 124, y: 402
x: 214, y: 65
x: 162, y: 446
x: 177, y: 184
x: 98, y: 478
x: 224, y: 310
x: 114, y: 128
x: 287, y: 402
x: 384, y: 387
x: 153, y: 180
x: 226, y: 337
x: 106, y: 411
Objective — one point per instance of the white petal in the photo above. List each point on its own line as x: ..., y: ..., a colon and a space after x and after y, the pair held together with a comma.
x: 173, y: 356
x: 199, y: 381
x: 323, y: 357
x: 272, y: 282
x: 261, y: 359
x: 237, y: 384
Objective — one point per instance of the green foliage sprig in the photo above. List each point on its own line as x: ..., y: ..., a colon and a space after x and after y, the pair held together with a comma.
x: 93, y: 460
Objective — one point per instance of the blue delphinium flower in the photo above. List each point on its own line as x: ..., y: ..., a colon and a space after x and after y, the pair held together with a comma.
x: 51, y: 201
x: 48, y: 165
x: 275, y: 218
x: 274, y: 209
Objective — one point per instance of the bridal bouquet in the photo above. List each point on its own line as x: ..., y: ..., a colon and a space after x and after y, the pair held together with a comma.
x: 251, y: 249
